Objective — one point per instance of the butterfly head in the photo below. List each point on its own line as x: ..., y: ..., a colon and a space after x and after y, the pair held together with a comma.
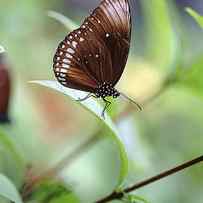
x: 106, y: 90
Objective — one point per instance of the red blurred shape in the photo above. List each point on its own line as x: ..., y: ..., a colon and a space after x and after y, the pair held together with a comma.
x: 4, y: 89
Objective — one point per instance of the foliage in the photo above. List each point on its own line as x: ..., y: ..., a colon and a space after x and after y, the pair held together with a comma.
x: 68, y: 23
x: 11, y: 160
x: 190, y: 77
x: 134, y: 199
x: 94, y: 107
x: 167, y: 131
x: 196, y: 16
x: 8, y: 190
x: 49, y: 191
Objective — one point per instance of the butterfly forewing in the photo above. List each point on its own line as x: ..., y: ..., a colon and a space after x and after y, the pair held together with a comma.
x: 96, y: 52
x: 111, y: 22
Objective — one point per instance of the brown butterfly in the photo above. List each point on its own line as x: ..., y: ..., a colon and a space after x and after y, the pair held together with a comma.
x: 92, y: 58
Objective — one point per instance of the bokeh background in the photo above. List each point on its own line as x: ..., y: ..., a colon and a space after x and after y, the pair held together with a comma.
x: 164, y: 73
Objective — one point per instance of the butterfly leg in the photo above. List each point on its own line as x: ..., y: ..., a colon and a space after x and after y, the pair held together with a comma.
x: 86, y: 97
x: 107, y: 104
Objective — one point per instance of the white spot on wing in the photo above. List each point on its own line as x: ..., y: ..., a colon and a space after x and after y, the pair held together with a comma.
x: 61, y: 79
x: 64, y: 70
x: 69, y: 56
x: 74, y: 43
x: 65, y: 65
x: 71, y: 51
x: 62, y: 75
x: 66, y: 61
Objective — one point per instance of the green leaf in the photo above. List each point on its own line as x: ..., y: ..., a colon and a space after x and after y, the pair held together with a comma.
x: 67, y: 22
x: 191, y: 77
x: 50, y: 191
x: 134, y: 199
x: 2, y: 50
x: 196, y: 16
x: 162, y: 48
x: 95, y: 108
x: 8, y: 190
x: 11, y: 162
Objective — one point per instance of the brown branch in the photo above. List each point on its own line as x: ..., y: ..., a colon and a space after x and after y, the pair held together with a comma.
x: 119, y: 195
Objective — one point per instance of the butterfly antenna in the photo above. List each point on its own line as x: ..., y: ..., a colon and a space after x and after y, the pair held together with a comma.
x: 131, y: 100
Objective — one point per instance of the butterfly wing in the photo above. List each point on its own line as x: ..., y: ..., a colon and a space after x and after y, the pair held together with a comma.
x: 69, y: 70
x: 96, y: 52
x: 111, y: 22
x: 80, y: 60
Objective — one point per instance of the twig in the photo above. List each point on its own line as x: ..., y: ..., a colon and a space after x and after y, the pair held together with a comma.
x: 119, y: 195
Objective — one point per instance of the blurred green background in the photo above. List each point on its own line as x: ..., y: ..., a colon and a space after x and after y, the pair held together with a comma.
x: 164, y: 73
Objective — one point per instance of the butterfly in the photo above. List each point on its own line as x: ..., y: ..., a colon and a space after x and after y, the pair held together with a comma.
x: 92, y: 58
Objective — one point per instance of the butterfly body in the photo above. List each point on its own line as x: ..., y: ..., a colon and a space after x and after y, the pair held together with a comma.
x: 106, y: 90
x: 92, y: 58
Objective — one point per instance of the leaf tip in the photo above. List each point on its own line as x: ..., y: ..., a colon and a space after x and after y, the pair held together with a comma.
x: 2, y: 49
x: 67, y: 22
x: 198, y: 18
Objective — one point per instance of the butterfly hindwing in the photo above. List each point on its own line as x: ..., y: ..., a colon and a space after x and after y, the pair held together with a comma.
x: 80, y: 60
x: 69, y: 69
